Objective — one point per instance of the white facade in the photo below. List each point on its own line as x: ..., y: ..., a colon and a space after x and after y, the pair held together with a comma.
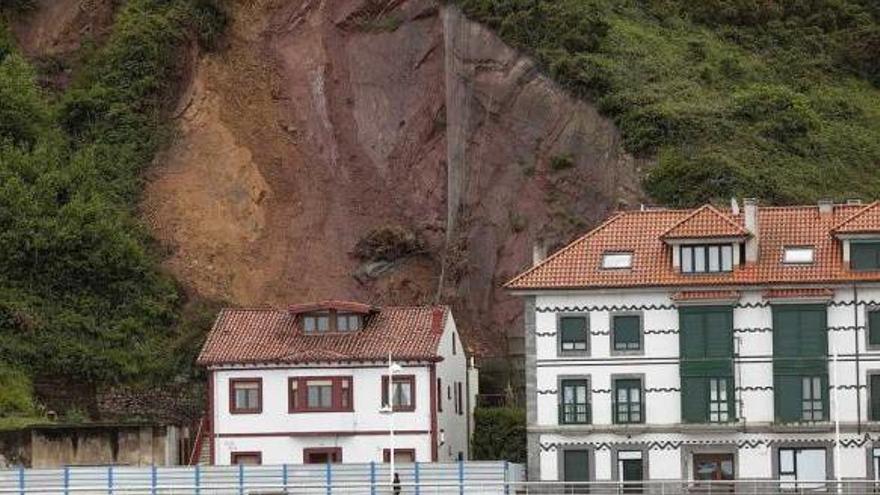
x: 361, y: 434
x: 665, y: 443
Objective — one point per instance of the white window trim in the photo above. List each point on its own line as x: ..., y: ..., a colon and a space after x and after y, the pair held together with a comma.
x: 617, y: 260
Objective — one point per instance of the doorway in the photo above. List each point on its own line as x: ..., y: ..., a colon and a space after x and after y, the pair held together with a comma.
x: 714, y: 470
x: 330, y: 455
x: 630, y: 470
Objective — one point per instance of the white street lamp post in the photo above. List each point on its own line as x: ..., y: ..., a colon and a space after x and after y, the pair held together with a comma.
x: 388, y: 408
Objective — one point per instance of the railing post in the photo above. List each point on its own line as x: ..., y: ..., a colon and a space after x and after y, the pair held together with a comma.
x: 460, y: 477
x: 66, y: 480
x: 110, y: 480
x: 372, y: 477
x: 198, y: 475
x: 284, y: 476
x: 241, y: 479
x: 416, y: 476
x: 154, y: 479
x: 21, y: 487
x: 506, y: 481
x: 328, y: 478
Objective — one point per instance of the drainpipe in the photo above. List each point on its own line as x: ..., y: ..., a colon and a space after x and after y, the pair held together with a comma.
x: 858, y: 368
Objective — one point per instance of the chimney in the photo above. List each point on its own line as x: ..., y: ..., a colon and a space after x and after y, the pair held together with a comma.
x: 826, y: 206
x: 539, y: 252
x: 734, y: 206
x: 750, y: 210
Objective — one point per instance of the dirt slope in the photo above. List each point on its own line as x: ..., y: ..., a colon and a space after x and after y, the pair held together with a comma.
x: 324, y: 119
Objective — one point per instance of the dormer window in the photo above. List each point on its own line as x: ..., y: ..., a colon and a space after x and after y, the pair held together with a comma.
x: 865, y: 255
x: 617, y: 260
x: 331, y: 321
x: 798, y: 255
x: 707, y: 258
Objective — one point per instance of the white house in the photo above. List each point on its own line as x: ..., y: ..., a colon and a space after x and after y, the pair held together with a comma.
x: 700, y: 344
x: 306, y: 384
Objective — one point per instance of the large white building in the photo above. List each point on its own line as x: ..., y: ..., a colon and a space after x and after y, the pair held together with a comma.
x: 700, y: 344
x: 306, y: 384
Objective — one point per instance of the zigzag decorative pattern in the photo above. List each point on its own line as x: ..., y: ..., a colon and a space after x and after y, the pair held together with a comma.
x: 846, y: 328
x: 661, y: 332
x: 752, y: 330
x: 585, y: 309
x: 547, y: 392
x: 608, y: 332
x: 662, y: 390
x: 847, y: 387
x: 847, y: 443
x: 755, y: 388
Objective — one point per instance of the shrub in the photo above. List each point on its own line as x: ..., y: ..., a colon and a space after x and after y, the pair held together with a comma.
x: 388, y: 243
x: 561, y: 162
x: 499, y: 434
x: 16, y: 393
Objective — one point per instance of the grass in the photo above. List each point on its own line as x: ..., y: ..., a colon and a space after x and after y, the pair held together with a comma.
x: 777, y: 100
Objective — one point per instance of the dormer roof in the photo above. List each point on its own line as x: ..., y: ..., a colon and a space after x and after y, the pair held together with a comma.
x: 703, y: 223
x: 275, y: 336
x: 578, y: 265
x: 864, y: 221
x: 332, y: 304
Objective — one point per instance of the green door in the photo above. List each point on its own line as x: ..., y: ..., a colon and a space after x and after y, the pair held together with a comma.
x: 576, y: 465
x: 706, y: 350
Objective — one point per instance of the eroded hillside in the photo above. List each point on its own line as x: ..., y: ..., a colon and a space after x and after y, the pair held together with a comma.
x: 320, y: 121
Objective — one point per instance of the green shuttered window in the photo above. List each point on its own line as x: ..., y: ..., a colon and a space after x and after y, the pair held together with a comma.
x: 628, y: 404
x: 627, y: 332
x: 874, y: 327
x: 800, y: 365
x: 573, y: 334
x: 574, y: 408
x: 706, y: 347
x: 864, y: 255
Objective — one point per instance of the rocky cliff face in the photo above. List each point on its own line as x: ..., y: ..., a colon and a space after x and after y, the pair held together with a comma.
x: 321, y: 120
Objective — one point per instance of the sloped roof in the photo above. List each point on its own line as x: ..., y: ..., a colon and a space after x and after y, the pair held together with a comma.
x: 578, y: 265
x: 268, y: 335
x: 705, y: 222
x: 866, y: 220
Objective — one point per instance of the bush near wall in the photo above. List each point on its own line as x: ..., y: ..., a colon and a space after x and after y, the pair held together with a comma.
x: 499, y: 434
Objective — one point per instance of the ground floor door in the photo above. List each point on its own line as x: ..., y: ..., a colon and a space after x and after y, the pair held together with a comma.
x: 630, y: 470
x: 576, y: 468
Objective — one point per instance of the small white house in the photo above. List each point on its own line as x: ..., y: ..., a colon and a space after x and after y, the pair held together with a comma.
x: 307, y: 384
x: 708, y: 344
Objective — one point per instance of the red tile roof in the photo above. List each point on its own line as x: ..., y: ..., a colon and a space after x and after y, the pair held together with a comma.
x: 268, y: 335
x: 578, y: 265
x: 703, y: 295
x: 803, y: 293
x: 866, y: 220
x: 705, y: 222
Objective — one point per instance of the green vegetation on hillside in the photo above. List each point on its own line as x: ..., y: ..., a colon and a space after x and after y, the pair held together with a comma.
x: 81, y: 293
x: 499, y: 433
x: 774, y: 99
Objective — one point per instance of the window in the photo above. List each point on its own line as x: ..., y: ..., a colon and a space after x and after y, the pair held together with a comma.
x: 459, y: 398
x: 401, y: 456
x: 320, y: 394
x: 628, y: 400
x: 331, y: 321
x: 811, y: 398
x: 706, y: 350
x: 245, y: 395
x: 246, y: 458
x: 403, y: 390
x: 617, y: 260
x: 573, y: 334
x: 630, y: 470
x: 626, y: 332
x: 798, y: 255
x: 801, y: 468
x: 875, y: 463
x: 439, y: 395
x: 864, y: 255
x: 331, y: 455
x: 873, y: 317
x: 711, y: 258
x: 800, y: 363
x: 574, y: 407
x: 454, y: 345
x: 719, y: 402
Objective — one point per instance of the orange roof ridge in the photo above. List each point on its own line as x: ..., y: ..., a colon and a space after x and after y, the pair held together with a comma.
x: 568, y: 246
x: 842, y: 226
x: 678, y: 230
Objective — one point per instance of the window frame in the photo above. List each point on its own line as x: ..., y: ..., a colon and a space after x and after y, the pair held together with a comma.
x: 868, y: 345
x: 786, y: 249
x: 728, y: 402
x: 330, y: 451
x: 807, y: 397
x: 587, y: 337
x: 776, y: 458
x: 855, y: 242
x: 615, y: 405
x: 411, y: 380
x: 301, y: 404
x: 235, y: 455
x: 691, y: 249
x: 562, y: 379
x: 333, y: 324
x: 613, y: 329
x: 870, y: 396
x: 233, y: 408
